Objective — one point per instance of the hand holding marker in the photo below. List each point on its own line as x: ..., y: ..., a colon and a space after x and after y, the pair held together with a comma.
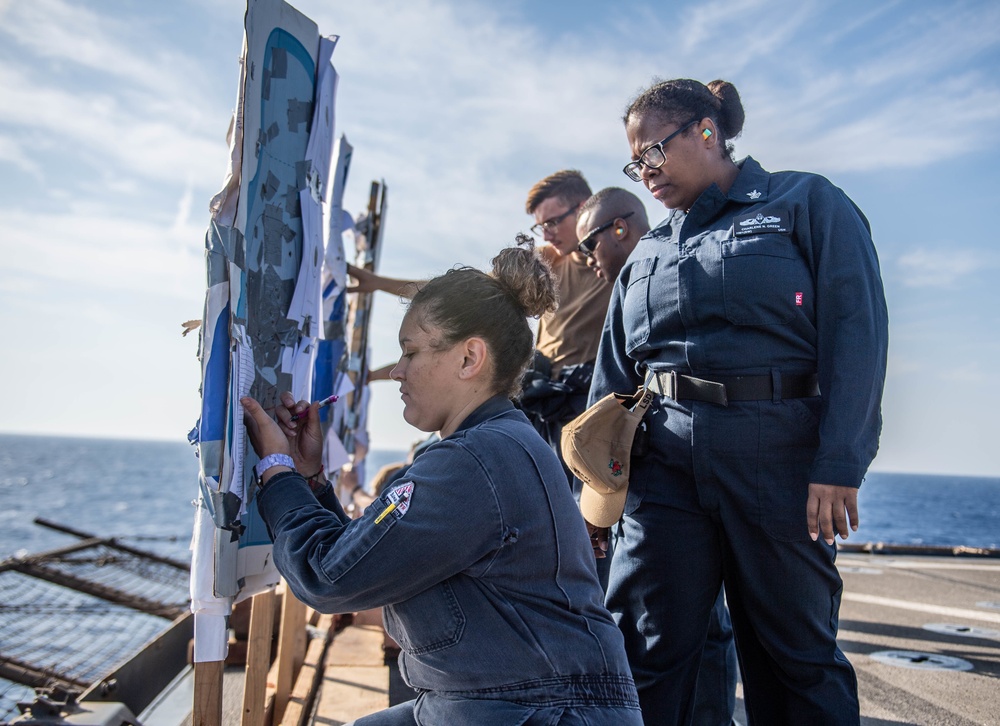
x: 325, y: 402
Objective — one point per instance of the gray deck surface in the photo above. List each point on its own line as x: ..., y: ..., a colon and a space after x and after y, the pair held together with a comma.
x: 900, y: 603
x: 891, y: 603
x: 895, y: 604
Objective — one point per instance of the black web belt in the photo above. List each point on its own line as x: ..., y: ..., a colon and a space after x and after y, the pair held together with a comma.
x: 723, y: 389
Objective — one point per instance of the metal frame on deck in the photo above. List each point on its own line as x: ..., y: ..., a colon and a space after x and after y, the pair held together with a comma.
x: 134, y: 682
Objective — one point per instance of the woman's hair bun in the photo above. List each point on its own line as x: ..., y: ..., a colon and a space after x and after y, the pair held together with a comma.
x: 526, y: 277
x: 731, y: 114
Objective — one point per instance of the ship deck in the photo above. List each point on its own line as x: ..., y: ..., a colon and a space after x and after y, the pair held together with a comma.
x: 922, y: 632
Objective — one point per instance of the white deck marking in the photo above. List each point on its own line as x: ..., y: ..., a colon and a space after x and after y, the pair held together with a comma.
x: 922, y: 607
x: 944, y: 564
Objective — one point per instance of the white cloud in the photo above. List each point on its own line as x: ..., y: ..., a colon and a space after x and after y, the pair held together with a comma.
x: 971, y: 373
x: 137, y: 255
x: 751, y: 30
x: 182, y: 222
x: 13, y: 153
x: 94, y: 87
x: 938, y: 268
x: 886, y: 91
x: 906, y: 132
x: 936, y: 421
x: 900, y: 366
x: 107, y: 128
x: 100, y: 39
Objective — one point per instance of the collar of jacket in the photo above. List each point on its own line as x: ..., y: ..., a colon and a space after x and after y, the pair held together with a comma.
x: 487, y: 410
x: 750, y: 187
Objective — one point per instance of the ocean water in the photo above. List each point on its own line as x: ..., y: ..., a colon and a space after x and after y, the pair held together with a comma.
x: 139, y: 490
x: 142, y: 492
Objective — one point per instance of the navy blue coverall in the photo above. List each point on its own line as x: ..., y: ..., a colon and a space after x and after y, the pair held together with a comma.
x: 482, y: 562
x: 777, y: 277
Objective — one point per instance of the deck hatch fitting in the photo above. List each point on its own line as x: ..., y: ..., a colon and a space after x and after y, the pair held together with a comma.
x: 921, y: 661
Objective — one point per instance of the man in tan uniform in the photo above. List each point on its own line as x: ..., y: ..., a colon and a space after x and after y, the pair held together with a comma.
x: 555, y: 389
x: 570, y: 335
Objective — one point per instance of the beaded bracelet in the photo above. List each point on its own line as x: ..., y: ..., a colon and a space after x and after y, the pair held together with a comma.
x: 314, y: 483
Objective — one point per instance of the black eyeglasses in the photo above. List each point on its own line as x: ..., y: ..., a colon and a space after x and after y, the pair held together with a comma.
x: 653, y: 156
x: 550, y: 224
x: 589, y: 243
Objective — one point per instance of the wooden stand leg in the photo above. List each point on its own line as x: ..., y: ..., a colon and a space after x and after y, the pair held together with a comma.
x: 258, y: 658
x: 293, y: 616
x: 207, y: 709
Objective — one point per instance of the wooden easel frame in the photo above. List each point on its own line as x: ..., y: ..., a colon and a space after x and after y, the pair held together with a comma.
x: 281, y: 693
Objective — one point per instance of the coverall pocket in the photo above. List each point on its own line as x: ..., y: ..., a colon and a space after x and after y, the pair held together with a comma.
x: 635, y: 310
x: 763, y: 279
x: 807, y: 409
x: 789, y: 438
x: 430, y: 621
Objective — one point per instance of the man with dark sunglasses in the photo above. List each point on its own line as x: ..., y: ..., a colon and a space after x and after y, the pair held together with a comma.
x: 609, y: 224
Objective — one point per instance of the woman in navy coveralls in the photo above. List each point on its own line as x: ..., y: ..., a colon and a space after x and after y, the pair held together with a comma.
x: 756, y: 311
x: 477, y: 550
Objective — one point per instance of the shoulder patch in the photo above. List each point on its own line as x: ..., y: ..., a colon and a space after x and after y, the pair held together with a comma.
x: 775, y: 221
x: 399, y: 497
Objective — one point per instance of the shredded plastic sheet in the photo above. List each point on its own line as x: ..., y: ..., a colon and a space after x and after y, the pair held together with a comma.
x: 274, y: 255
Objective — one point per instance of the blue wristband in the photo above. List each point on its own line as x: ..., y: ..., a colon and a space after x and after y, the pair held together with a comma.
x: 273, y: 460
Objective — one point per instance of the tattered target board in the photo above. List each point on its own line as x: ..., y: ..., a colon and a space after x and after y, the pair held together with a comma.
x: 274, y: 256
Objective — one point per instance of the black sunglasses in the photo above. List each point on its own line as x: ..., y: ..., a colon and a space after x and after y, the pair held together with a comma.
x: 589, y: 243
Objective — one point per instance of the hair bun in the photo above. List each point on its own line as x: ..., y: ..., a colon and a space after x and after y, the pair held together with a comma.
x: 526, y: 277
x: 731, y: 114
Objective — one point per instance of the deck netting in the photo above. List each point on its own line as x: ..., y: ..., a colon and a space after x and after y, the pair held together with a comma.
x: 53, y: 629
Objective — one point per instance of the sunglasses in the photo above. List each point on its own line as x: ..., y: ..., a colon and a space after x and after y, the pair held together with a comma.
x: 589, y: 243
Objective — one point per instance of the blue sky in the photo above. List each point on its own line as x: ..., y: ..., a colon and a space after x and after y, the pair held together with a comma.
x: 113, y: 116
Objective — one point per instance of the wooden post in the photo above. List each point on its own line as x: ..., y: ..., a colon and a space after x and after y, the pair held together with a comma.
x: 367, y: 249
x: 307, y: 682
x: 258, y: 657
x: 293, y: 619
x: 207, y: 709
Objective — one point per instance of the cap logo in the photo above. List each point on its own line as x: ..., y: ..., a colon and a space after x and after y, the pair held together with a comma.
x: 615, y: 466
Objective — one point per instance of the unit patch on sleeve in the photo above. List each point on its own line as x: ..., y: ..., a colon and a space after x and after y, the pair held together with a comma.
x: 772, y: 221
x: 399, y: 501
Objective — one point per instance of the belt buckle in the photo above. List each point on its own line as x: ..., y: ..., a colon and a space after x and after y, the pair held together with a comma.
x: 672, y: 383
x: 663, y: 383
